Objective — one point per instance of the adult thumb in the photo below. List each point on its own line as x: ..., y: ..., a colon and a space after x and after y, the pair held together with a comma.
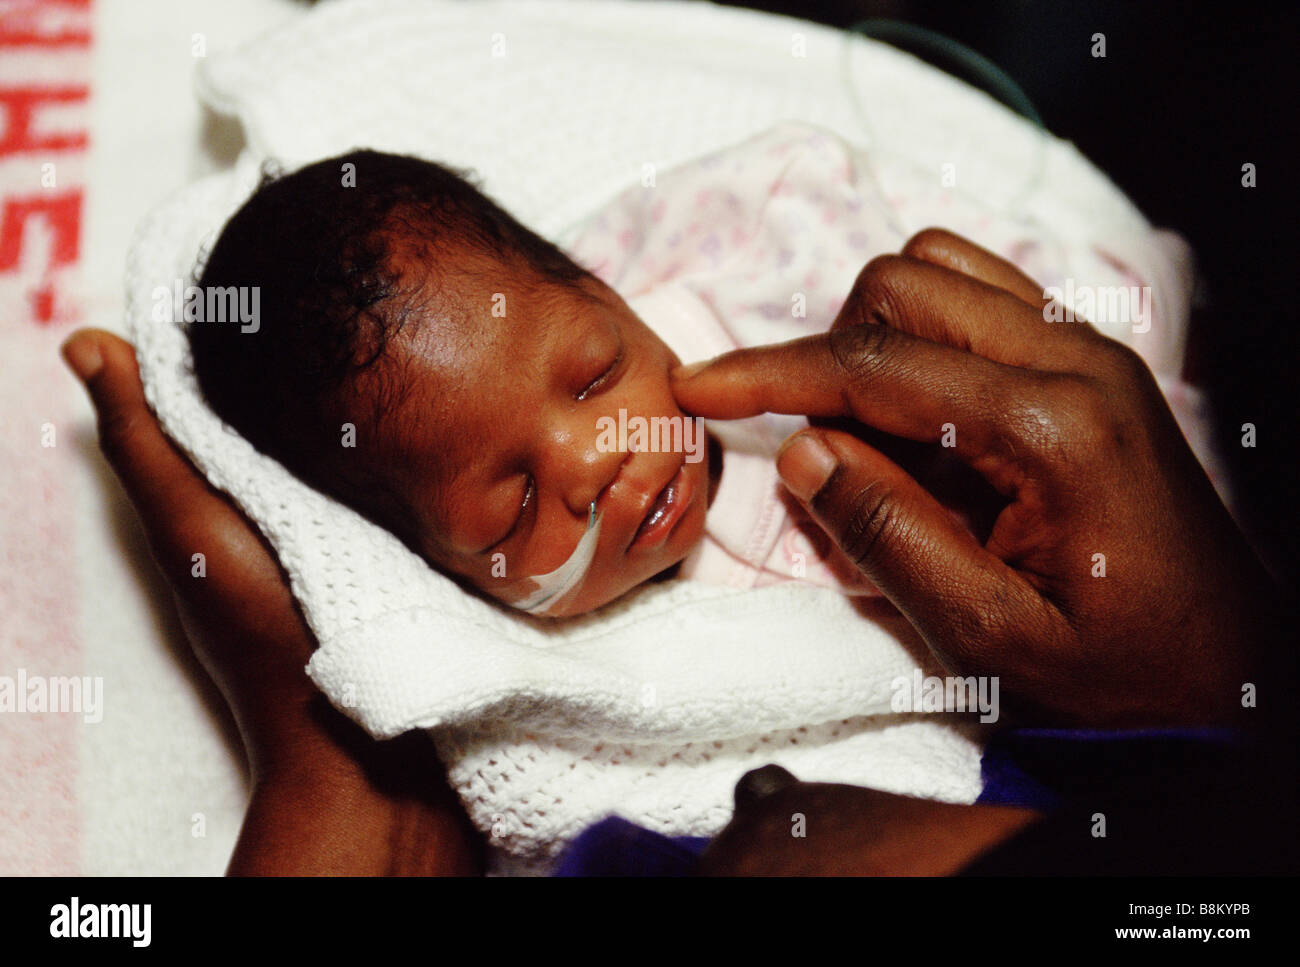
x: 932, y: 569
x: 155, y: 475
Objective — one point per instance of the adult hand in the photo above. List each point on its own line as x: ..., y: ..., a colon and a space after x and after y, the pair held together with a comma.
x: 784, y: 827
x: 326, y: 797
x: 239, y: 615
x: 1113, y: 589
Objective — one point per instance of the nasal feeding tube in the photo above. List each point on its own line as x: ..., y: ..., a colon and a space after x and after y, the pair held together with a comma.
x: 554, y: 585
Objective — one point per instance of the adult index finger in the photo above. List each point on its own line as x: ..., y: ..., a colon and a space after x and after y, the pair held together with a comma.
x: 885, y: 378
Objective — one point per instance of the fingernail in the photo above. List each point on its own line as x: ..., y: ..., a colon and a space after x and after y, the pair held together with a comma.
x: 686, y: 372
x: 805, y: 463
x: 82, y: 357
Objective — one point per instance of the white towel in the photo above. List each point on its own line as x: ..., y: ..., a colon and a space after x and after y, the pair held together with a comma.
x: 653, y: 707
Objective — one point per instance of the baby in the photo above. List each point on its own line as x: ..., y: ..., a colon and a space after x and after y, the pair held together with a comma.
x: 426, y: 359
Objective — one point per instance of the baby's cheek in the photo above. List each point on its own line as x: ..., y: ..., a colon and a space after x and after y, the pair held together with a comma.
x: 689, y: 532
x: 693, y: 526
x: 495, y: 576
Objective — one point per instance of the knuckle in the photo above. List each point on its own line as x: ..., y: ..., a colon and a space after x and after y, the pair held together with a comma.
x: 869, y: 524
x: 1080, y: 422
x: 928, y: 242
x: 983, y: 621
x: 859, y: 351
x: 1039, y: 427
x: 993, y: 611
x: 880, y: 273
x: 875, y: 287
x: 115, y: 429
x: 1117, y: 361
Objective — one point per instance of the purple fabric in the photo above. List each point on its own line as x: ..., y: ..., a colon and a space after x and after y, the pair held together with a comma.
x: 1041, y: 768
x: 615, y: 847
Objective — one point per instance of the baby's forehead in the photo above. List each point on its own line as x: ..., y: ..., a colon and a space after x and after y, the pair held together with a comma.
x: 473, y: 329
x: 453, y: 379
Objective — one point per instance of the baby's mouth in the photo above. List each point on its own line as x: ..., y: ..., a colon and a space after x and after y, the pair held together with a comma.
x: 666, y: 511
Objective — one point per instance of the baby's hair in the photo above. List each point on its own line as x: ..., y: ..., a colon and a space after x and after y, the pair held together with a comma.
x: 325, y: 246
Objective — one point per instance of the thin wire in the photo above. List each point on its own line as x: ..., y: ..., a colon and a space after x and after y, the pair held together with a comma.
x: 1015, y: 206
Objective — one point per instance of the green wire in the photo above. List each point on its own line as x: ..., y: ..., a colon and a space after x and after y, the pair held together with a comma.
x: 954, y: 58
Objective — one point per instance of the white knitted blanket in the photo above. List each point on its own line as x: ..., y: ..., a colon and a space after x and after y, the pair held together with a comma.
x: 653, y: 707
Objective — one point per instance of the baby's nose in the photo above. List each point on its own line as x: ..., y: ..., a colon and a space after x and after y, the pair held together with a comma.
x: 584, y: 461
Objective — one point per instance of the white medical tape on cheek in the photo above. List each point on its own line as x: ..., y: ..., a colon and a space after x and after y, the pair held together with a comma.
x: 556, y: 584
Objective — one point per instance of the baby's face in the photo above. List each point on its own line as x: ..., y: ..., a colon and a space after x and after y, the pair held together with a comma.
x: 495, y: 443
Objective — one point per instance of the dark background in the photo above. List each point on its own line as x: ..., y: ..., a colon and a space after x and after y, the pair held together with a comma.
x: 1187, y: 93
